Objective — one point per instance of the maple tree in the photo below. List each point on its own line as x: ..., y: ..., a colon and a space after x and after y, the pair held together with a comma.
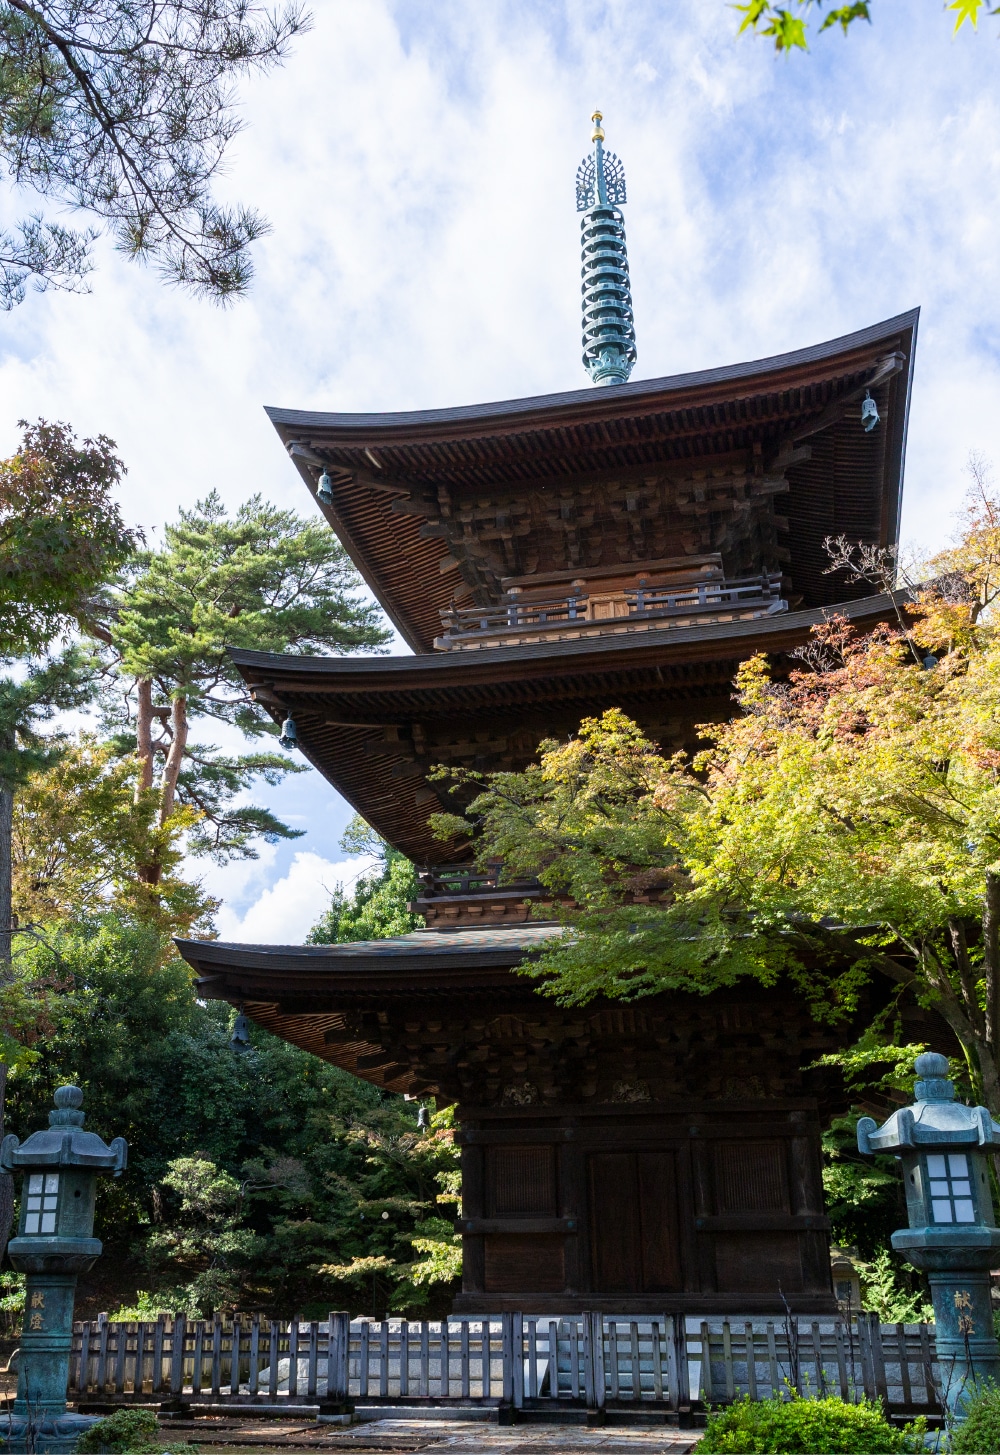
x: 846, y: 824
x: 79, y: 832
x: 61, y: 537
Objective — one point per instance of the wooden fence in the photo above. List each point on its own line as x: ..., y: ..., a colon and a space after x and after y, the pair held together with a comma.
x: 593, y: 1360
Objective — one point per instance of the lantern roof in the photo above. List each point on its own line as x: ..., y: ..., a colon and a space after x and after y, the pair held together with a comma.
x: 64, y: 1143
x: 937, y: 1119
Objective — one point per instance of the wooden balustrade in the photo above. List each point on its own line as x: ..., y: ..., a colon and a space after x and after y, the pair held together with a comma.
x: 519, y: 616
x: 593, y: 1360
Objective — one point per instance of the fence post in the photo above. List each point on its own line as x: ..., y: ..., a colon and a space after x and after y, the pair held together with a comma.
x: 597, y: 1355
x: 507, y: 1357
x: 517, y: 1342
x: 865, y: 1355
x: 158, y: 1353
x: 177, y: 1355
x: 338, y: 1365
x: 83, y: 1368
x: 878, y: 1358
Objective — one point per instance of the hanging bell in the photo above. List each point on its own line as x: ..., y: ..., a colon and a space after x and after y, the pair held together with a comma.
x: 869, y: 413
x: 240, y: 1038
x: 289, y: 733
x: 324, y: 490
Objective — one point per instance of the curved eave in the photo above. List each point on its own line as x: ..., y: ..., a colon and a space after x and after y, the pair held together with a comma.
x: 341, y: 705
x: 621, y: 401
x: 310, y: 995
x: 229, y: 969
x: 682, y: 421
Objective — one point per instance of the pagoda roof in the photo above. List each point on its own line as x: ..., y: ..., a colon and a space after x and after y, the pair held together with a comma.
x: 306, y: 994
x: 399, y: 480
x: 342, y: 706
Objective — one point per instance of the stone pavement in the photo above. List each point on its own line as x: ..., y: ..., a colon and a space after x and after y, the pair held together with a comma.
x: 449, y: 1437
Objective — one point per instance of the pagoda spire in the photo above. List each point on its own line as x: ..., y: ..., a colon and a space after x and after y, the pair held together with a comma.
x: 608, y: 325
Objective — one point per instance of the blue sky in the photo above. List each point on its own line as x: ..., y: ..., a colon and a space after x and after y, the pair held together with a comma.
x: 417, y: 162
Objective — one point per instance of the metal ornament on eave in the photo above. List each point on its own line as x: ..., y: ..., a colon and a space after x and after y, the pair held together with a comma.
x: 869, y: 413
x: 608, y: 325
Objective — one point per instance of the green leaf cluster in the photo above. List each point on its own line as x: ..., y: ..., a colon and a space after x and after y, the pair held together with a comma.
x: 61, y: 533
x: 979, y: 1431
x: 124, y: 112
x: 122, y: 1431
x: 788, y: 26
x: 781, y: 1426
x: 263, y: 578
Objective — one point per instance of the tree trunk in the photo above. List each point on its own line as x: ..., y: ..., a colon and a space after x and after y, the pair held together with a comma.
x: 6, y: 1181
x: 144, y: 737
x: 6, y: 877
x: 6, y: 928
x: 175, y: 757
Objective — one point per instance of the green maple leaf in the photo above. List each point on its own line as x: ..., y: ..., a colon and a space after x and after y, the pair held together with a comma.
x: 752, y: 13
x: 845, y: 14
x: 966, y: 10
x: 788, y: 31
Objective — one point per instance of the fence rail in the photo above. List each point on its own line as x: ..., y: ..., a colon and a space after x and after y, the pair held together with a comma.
x: 592, y: 1359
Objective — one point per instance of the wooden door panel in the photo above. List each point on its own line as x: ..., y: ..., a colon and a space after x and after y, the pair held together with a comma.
x: 661, y: 1257
x: 751, y: 1177
x: 614, y: 1223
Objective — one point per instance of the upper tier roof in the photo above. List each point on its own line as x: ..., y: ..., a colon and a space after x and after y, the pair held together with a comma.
x: 427, y: 499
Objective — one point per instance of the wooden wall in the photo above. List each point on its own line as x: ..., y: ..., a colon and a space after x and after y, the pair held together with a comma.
x: 706, y: 1208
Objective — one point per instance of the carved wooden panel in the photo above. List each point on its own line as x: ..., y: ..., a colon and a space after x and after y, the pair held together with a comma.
x: 522, y: 1182
x: 524, y: 1263
x: 751, y: 1177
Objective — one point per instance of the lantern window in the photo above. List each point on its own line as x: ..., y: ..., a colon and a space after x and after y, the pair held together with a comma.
x: 950, y: 1188
x: 43, y: 1198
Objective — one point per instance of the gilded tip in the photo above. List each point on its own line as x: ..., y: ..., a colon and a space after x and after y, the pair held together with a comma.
x: 598, y: 135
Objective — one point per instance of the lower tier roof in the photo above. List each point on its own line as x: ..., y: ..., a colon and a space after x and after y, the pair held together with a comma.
x: 448, y: 1014
x: 376, y: 727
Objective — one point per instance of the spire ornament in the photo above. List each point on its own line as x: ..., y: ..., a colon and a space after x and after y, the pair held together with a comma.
x: 608, y: 326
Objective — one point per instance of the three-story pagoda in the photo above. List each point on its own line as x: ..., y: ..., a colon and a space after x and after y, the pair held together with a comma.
x: 545, y: 559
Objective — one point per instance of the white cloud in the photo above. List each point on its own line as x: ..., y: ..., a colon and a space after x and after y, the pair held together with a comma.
x: 285, y: 912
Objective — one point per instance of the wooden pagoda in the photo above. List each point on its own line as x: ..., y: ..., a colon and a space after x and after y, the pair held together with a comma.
x: 545, y: 559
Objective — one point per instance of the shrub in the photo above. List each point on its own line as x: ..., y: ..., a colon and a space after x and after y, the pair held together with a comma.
x: 980, y: 1431
x: 124, y: 1430
x: 787, y: 1426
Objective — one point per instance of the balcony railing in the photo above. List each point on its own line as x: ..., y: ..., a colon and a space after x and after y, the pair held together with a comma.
x: 448, y: 880
x: 518, y: 617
